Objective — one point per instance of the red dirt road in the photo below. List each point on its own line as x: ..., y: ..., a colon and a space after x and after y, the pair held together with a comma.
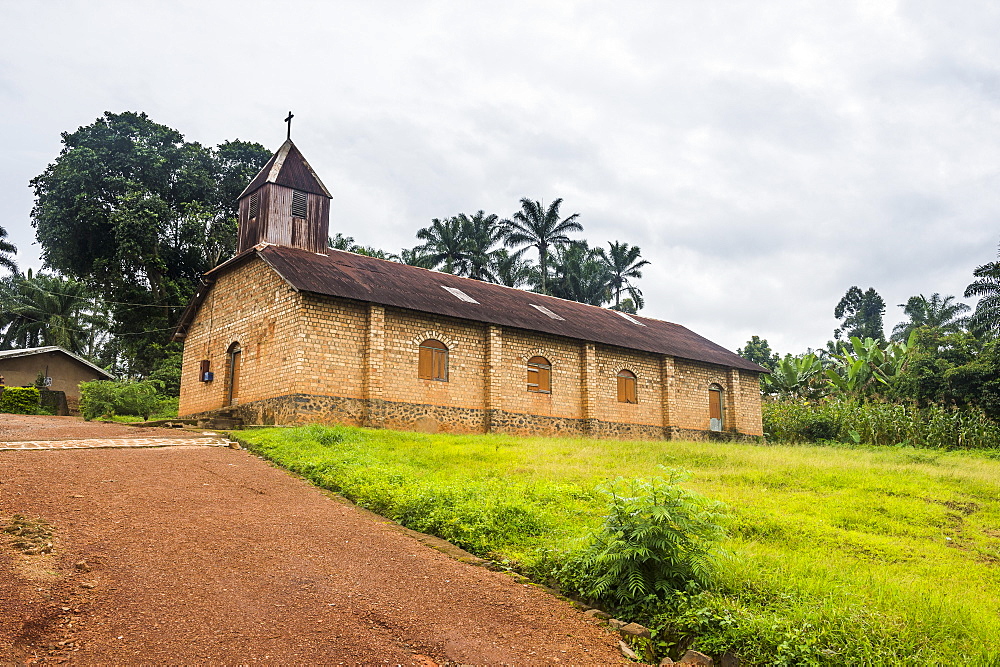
x: 205, y: 554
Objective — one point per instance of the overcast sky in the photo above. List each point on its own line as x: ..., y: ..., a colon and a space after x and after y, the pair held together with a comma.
x: 765, y: 156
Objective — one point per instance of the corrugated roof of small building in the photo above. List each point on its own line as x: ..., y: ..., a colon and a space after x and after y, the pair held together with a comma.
x: 353, y: 276
x: 29, y: 351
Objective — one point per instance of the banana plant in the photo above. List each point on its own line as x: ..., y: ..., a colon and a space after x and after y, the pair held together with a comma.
x: 863, y: 367
x: 796, y: 376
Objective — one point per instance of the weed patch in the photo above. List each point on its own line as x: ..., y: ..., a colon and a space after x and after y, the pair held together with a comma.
x: 29, y: 536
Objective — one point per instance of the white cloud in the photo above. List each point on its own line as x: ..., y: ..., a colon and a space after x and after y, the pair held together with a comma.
x: 765, y: 157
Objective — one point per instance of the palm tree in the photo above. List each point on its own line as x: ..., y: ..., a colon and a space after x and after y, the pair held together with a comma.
x: 415, y: 257
x: 6, y: 250
x: 540, y: 227
x: 48, y: 310
x: 444, y: 244
x: 986, y: 319
x: 935, y: 312
x: 580, y: 274
x: 341, y: 242
x: 624, y: 263
x: 479, y: 233
x: 511, y: 269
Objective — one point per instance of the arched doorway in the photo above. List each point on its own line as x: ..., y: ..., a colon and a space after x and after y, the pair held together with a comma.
x: 716, y: 421
x: 233, y: 373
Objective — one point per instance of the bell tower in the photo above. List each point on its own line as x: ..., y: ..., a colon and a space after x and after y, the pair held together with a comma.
x: 285, y: 204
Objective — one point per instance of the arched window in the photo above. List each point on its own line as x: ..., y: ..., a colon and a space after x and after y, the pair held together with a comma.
x: 233, y: 354
x: 627, y: 387
x: 539, y: 375
x: 716, y: 419
x: 433, y: 361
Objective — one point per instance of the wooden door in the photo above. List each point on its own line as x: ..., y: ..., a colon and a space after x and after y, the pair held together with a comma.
x: 234, y: 376
x: 714, y: 409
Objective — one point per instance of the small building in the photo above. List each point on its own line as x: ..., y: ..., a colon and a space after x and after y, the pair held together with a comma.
x: 62, y: 370
x: 289, y: 331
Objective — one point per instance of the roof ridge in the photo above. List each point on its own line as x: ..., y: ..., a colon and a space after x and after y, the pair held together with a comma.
x: 490, y: 284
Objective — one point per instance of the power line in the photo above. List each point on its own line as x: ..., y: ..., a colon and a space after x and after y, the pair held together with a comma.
x: 117, y: 303
x: 135, y: 333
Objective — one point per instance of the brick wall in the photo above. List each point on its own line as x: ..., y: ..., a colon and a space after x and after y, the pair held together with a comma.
x: 741, y: 397
x: 563, y: 354
x: 649, y: 386
x: 254, y: 307
x: 405, y: 330
x: 324, y: 368
x: 337, y: 360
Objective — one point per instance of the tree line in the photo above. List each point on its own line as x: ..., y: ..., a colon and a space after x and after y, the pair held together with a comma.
x: 485, y: 247
x: 129, y: 216
x: 944, y: 354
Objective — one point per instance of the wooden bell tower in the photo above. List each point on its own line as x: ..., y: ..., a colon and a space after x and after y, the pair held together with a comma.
x: 285, y: 204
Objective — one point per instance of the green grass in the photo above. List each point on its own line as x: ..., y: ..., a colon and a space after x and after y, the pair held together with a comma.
x: 836, y: 555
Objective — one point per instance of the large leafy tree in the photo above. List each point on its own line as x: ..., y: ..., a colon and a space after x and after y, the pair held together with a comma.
x: 136, y: 212
x: 943, y: 314
x: 624, y: 265
x: 923, y: 379
x: 978, y: 381
x: 986, y: 320
x: 861, y: 315
x: 759, y: 351
x: 7, y: 250
x: 540, y: 227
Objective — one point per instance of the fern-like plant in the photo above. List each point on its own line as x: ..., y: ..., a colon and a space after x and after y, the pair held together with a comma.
x: 657, y: 538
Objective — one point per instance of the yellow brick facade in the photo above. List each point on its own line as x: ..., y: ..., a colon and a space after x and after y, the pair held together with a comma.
x: 257, y: 309
x: 307, y: 357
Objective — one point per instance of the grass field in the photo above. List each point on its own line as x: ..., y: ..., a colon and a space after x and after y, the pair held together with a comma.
x: 835, y: 555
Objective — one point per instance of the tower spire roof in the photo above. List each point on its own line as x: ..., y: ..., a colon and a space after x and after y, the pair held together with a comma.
x: 288, y: 167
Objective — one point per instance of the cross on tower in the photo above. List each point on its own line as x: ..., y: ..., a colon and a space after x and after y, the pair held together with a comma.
x: 289, y: 121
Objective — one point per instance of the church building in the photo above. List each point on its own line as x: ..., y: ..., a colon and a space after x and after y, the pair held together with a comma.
x: 291, y: 332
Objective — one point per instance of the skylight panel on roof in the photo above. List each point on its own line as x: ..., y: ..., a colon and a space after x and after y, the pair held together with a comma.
x: 454, y: 291
x: 543, y: 309
x: 630, y: 318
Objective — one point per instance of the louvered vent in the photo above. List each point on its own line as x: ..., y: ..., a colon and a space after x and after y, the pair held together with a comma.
x: 255, y: 205
x: 299, y: 201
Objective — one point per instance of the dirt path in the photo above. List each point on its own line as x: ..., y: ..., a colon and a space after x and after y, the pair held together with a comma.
x: 206, y: 554
x: 18, y: 428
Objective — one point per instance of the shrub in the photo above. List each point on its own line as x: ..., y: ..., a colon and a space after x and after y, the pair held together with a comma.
x: 110, y: 397
x: 655, y: 541
x: 19, y: 400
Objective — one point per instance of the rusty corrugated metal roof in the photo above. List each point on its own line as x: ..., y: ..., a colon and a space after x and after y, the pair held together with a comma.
x: 288, y: 167
x: 31, y: 351
x: 352, y: 276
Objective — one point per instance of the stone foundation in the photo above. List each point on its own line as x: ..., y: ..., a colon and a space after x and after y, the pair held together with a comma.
x: 712, y: 436
x: 300, y: 409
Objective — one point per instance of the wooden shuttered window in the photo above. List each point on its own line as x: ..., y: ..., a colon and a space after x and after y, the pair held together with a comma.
x: 539, y: 375
x: 300, y: 204
x: 433, y: 361
x: 627, y: 387
x: 254, y: 205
